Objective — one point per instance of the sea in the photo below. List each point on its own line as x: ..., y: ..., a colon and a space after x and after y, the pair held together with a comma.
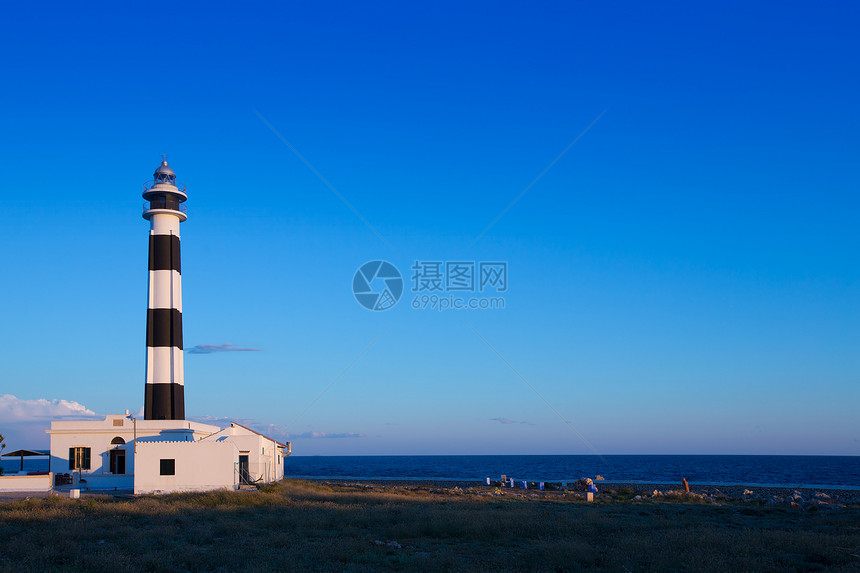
x: 842, y: 472
x: 764, y: 471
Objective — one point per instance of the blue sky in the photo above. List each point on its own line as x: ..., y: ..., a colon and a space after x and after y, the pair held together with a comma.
x: 683, y: 279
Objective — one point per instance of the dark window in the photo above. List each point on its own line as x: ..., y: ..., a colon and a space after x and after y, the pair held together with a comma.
x: 79, y: 458
x: 117, y: 441
x: 168, y: 467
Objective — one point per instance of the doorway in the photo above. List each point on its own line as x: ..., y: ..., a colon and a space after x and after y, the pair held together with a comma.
x: 117, y: 461
x: 244, y: 476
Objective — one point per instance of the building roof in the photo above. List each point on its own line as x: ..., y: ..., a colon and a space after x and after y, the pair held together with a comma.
x: 259, y: 434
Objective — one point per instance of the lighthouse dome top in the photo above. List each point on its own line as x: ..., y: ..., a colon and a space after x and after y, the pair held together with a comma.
x: 163, y: 169
x: 164, y: 174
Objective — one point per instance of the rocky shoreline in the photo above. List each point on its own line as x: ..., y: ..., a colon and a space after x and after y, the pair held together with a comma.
x: 803, y: 498
x: 772, y: 495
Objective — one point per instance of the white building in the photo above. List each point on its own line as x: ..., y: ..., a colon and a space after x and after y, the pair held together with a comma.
x: 161, y: 456
x: 261, y: 459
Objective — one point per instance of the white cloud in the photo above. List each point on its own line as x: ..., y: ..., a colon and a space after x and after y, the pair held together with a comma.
x: 23, y: 422
x: 14, y: 409
x: 507, y: 421
x: 211, y: 348
x: 317, y: 435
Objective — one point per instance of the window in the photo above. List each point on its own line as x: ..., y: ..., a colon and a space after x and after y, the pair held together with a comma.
x: 117, y: 422
x: 117, y: 441
x: 168, y: 467
x: 79, y: 458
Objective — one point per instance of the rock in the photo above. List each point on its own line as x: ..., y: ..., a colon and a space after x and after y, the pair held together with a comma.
x: 582, y: 484
x: 821, y: 495
x: 686, y: 485
x: 392, y: 544
x: 637, y: 498
x: 599, y: 477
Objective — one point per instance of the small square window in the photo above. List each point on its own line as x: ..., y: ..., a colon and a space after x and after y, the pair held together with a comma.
x: 117, y: 422
x: 168, y: 467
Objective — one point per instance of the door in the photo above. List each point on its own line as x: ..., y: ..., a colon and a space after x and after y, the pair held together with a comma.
x: 117, y: 461
x: 244, y: 477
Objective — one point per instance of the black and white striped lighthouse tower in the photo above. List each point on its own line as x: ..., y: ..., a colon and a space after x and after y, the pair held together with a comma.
x: 165, y: 384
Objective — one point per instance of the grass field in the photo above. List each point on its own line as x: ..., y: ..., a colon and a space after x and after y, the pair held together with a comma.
x: 298, y: 525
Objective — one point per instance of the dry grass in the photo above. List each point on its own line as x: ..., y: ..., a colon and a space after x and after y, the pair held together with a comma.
x: 310, y: 526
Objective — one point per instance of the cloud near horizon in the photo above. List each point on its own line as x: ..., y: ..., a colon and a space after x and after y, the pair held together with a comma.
x: 506, y: 421
x: 318, y: 435
x: 212, y: 348
x: 23, y: 422
x: 13, y: 409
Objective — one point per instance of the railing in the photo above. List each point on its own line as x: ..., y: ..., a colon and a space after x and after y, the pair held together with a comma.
x: 165, y: 204
x: 150, y: 184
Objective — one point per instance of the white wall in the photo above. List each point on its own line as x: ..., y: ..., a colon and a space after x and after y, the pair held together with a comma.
x: 27, y: 483
x: 200, y: 466
x: 104, y: 481
x: 99, y: 444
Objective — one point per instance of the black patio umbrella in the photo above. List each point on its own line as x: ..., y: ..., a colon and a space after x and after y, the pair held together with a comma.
x: 23, y: 453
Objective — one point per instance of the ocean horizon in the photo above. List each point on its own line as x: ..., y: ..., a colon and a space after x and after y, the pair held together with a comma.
x: 754, y: 470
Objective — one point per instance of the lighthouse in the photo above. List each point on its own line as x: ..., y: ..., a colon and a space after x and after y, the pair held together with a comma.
x: 165, y: 386
x: 164, y: 452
